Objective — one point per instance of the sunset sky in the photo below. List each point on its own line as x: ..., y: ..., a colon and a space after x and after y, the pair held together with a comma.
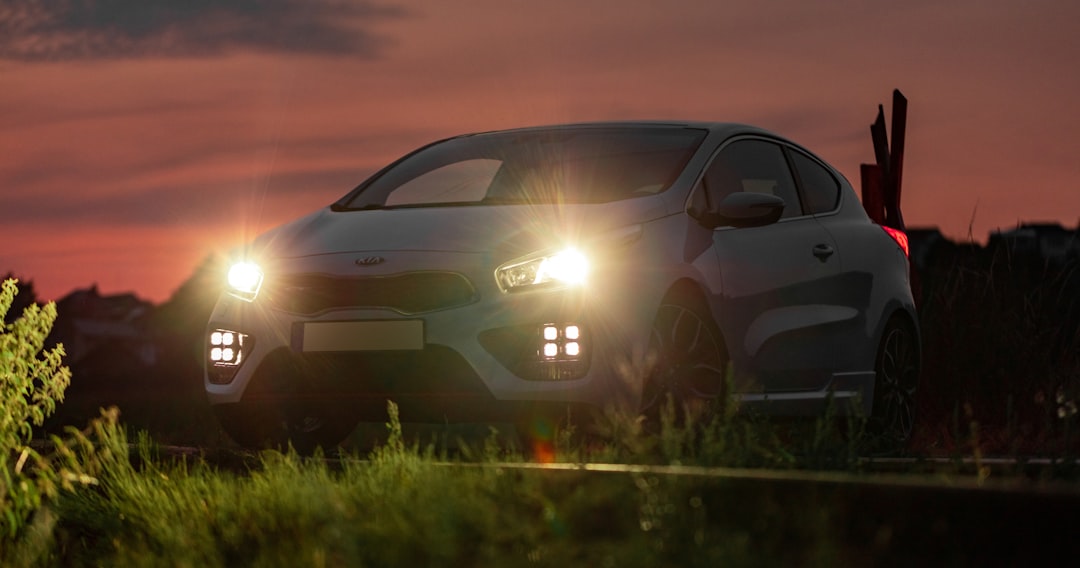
x: 139, y: 136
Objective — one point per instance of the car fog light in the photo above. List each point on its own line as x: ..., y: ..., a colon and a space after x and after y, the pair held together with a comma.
x: 560, y: 342
x: 226, y: 351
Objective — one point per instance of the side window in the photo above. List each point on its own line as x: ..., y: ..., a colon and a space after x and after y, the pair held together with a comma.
x: 754, y: 166
x: 820, y: 188
x: 455, y: 182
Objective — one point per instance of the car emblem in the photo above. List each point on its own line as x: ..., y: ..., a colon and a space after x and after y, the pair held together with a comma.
x: 370, y: 261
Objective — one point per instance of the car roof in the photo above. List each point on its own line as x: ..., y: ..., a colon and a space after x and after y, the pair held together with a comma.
x: 726, y: 128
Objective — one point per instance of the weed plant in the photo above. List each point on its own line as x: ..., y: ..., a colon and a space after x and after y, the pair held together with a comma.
x: 1001, y: 343
x: 32, y: 382
x: 404, y: 505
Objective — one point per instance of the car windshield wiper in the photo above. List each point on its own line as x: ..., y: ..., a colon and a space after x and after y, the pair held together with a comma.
x: 365, y: 207
x: 502, y: 201
x: 485, y: 201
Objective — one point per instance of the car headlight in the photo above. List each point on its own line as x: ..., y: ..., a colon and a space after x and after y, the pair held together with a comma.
x: 568, y: 267
x: 245, y: 279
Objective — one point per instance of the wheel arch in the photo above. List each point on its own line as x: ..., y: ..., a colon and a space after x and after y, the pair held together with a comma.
x: 893, y: 410
x: 901, y: 316
x: 686, y: 289
x: 693, y: 292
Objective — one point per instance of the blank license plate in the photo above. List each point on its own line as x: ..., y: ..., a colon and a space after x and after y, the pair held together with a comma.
x: 363, y: 335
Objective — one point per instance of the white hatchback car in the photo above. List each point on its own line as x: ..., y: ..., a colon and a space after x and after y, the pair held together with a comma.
x: 508, y: 275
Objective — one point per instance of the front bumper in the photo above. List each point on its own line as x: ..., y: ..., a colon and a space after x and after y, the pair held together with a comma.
x: 482, y: 359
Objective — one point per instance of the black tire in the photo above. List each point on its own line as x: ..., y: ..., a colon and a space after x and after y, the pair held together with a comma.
x: 305, y: 425
x: 690, y: 362
x: 892, y: 418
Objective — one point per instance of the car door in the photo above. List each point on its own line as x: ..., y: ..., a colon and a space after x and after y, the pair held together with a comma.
x: 775, y: 299
x: 845, y: 342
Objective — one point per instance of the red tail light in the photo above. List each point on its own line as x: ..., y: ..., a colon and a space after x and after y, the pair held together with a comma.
x: 900, y: 237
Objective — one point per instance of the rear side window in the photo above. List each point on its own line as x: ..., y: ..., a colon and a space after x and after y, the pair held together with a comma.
x: 820, y: 188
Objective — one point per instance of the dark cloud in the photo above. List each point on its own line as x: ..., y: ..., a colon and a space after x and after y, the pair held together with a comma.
x: 63, y: 30
x: 204, y: 204
x: 210, y: 207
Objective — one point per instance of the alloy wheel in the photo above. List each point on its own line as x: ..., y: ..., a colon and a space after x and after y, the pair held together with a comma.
x: 689, y: 361
x: 894, y: 391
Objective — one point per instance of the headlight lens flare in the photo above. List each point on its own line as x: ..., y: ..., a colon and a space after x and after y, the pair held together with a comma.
x: 245, y: 279
x: 568, y: 267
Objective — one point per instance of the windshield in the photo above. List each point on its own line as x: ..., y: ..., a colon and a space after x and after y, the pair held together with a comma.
x: 564, y: 165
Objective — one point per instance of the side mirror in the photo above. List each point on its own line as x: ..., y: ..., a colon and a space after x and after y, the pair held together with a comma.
x: 745, y: 209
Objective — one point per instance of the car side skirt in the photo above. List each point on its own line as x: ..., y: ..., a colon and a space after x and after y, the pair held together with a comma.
x: 848, y: 394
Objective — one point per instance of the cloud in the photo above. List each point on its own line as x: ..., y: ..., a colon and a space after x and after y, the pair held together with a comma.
x: 72, y: 30
x: 211, y: 207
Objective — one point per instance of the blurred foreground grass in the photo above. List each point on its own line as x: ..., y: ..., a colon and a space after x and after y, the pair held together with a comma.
x: 404, y: 504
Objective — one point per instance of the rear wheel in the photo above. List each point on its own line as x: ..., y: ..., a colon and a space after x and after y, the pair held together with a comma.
x: 690, y: 362
x: 897, y: 374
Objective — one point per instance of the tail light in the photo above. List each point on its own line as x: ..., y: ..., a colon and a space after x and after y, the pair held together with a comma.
x: 900, y: 237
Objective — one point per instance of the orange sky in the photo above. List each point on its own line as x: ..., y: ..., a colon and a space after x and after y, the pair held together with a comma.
x: 135, y: 142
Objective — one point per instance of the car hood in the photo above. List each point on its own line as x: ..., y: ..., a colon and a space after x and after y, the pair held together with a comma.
x: 501, y: 230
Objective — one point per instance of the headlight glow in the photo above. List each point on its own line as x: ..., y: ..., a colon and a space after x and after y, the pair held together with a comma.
x: 567, y: 267
x: 245, y: 279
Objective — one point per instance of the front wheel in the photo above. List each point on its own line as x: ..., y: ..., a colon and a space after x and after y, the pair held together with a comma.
x: 690, y: 362
x: 897, y: 373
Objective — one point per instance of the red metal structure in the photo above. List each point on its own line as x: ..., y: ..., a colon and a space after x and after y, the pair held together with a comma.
x: 881, y: 182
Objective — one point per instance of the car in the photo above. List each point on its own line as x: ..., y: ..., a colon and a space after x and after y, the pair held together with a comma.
x: 519, y: 274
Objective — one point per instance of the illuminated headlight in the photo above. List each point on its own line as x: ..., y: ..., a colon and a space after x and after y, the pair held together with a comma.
x: 568, y: 267
x: 245, y: 279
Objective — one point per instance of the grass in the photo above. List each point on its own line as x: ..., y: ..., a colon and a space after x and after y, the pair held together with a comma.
x: 1001, y: 377
x: 1001, y: 356
x: 404, y: 503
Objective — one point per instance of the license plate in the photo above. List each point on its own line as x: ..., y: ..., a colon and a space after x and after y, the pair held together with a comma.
x: 363, y: 336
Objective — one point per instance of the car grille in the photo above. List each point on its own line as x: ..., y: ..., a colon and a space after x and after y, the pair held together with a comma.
x: 410, y: 293
x: 434, y: 384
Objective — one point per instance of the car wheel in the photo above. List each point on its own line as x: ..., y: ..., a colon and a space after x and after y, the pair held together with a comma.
x: 897, y: 373
x: 305, y: 425
x: 690, y: 362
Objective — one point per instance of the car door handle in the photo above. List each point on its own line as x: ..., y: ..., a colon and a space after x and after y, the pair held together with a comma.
x: 823, y: 251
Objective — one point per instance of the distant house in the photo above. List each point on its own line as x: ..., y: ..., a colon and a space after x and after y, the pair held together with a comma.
x: 924, y: 242
x: 1047, y: 241
x: 88, y: 322
x: 931, y: 249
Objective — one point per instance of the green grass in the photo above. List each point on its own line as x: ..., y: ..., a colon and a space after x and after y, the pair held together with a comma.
x: 1001, y: 374
x: 404, y: 506
x: 407, y: 503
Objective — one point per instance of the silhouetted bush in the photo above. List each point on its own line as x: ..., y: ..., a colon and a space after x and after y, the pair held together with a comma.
x: 1001, y: 347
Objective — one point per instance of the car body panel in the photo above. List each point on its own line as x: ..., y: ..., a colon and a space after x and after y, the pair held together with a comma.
x: 773, y: 305
x: 801, y: 328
